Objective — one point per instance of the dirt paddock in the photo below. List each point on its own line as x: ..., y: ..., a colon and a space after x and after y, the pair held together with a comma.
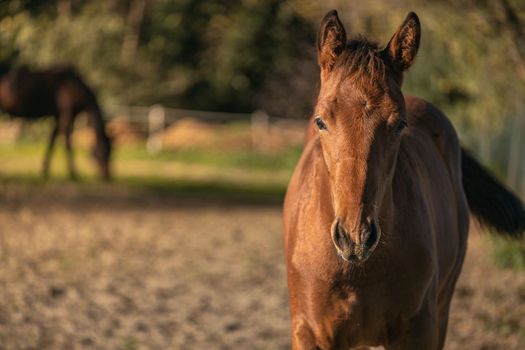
x: 106, y: 269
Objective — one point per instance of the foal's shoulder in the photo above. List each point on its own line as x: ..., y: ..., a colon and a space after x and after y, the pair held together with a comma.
x: 425, y: 117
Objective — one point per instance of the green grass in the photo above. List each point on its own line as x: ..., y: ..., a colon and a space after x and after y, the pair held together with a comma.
x: 245, y: 159
x: 204, y: 174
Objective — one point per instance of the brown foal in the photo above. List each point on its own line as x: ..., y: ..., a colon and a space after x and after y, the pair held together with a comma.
x: 376, y: 215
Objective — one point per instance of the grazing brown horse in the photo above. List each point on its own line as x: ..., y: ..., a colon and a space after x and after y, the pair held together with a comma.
x: 376, y: 214
x: 60, y: 93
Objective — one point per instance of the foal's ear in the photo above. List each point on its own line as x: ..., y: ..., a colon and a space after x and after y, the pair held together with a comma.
x: 402, y: 48
x: 331, y: 40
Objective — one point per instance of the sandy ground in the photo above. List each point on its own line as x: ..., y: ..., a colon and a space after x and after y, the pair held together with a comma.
x: 117, y: 270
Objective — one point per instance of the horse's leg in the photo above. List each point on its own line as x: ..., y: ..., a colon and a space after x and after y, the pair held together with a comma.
x: 447, y: 298
x: 69, y: 151
x: 49, y: 151
x: 302, y: 336
x: 422, y: 332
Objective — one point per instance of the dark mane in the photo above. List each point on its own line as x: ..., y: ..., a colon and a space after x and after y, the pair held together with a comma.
x: 362, y: 57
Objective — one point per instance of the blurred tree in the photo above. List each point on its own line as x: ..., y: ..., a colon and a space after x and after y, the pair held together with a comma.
x: 134, y: 21
x: 219, y: 54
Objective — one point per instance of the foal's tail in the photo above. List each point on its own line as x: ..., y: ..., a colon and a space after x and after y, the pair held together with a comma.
x: 490, y: 202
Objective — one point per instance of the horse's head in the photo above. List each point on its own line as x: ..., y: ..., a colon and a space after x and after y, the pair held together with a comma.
x: 360, y: 114
x: 102, y: 152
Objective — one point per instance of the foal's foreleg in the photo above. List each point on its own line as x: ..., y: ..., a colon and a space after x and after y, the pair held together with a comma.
x: 302, y: 336
x: 49, y: 151
x: 422, y: 332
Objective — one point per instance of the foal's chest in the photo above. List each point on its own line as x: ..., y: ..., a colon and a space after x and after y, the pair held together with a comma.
x: 374, y: 306
x: 369, y: 315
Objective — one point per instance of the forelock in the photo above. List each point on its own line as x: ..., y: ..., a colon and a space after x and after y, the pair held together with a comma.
x: 362, y: 57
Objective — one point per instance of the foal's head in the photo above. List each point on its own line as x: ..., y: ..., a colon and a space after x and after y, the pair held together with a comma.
x: 102, y: 152
x: 360, y: 114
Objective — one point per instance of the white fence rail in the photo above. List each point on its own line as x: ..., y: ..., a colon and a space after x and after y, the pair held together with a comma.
x: 154, y: 120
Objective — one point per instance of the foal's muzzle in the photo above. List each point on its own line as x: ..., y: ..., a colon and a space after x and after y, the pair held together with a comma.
x: 358, y: 249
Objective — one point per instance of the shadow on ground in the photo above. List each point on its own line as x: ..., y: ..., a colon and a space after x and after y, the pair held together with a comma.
x: 131, y: 192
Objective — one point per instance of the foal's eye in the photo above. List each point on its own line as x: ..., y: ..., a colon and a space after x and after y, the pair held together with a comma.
x: 320, y: 123
x: 400, y: 127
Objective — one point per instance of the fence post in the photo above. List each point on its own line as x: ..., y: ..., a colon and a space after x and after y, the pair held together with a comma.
x: 156, y: 123
x: 260, y: 122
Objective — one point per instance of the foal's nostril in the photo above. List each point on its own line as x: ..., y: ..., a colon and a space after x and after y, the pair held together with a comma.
x: 338, y: 236
x: 372, y: 236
